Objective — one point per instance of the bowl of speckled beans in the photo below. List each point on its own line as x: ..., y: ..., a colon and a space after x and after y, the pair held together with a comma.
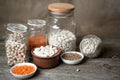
x: 46, y: 56
x: 72, y: 57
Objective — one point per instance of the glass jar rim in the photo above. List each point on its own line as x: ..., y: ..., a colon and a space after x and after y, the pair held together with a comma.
x: 36, y: 22
x: 61, y: 13
x: 15, y: 27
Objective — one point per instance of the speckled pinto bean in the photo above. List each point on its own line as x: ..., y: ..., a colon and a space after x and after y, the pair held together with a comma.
x: 15, y: 49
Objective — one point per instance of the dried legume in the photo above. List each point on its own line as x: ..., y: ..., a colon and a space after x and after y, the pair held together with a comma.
x: 46, y: 51
x: 23, y: 69
x: 63, y: 39
x: 36, y: 41
x: 15, y: 48
x: 90, y: 46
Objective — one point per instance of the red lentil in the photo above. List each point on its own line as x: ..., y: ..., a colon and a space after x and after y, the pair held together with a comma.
x: 22, y: 70
x: 37, y: 41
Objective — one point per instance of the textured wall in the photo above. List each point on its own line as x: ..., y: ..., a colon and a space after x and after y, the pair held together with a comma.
x: 98, y: 16
x: 101, y: 17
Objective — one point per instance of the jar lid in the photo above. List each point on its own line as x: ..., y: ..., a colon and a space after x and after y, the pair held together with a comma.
x: 60, y: 7
x: 36, y: 22
x: 14, y: 27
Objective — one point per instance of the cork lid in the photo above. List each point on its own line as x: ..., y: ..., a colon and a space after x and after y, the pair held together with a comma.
x: 60, y: 7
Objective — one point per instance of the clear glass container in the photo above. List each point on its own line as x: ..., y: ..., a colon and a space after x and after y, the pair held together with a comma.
x: 62, y: 28
x: 91, y: 46
x: 37, y: 33
x: 16, y: 43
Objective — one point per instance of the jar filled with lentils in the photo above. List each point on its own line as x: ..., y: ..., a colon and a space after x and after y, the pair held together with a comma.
x: 37, y: 33
x: 62, y: 27
x: 16, y: 43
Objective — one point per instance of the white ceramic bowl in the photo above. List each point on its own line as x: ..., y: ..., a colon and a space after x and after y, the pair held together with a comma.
x: 72, y: 61
x: 26, y: 75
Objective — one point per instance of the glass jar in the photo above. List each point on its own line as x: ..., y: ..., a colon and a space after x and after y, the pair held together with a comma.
x: 62, y: 28
x: 91, y: 46
x: 16, y: 43
x: 37, y: 33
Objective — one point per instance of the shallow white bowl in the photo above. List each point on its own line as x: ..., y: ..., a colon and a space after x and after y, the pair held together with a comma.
x: 72, y: 61
x: 23, y: 76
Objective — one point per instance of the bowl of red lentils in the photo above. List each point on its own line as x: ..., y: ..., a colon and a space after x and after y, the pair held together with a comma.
x: 72, y: 57
x: 23, y: 70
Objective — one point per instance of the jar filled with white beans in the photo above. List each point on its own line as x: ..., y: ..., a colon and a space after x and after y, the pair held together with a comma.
x: 62, y: 29
x: 91, y: 46
x: 16, y: 43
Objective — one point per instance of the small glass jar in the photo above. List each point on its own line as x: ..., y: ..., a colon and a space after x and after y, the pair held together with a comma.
x: 37, y: 33
x: 16, y: 43
x: 62, y: 28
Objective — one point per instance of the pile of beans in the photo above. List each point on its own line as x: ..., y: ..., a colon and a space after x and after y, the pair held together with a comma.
x: 63, y: 39
x: 23, y: 69
x: 46, y: 51
x: 90, y: 46
x: 15, y: 48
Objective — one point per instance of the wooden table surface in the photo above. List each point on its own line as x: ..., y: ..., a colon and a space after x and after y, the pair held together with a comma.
x: 105, y: 67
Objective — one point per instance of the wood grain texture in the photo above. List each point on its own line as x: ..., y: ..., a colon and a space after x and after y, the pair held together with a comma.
x: 93, y: 69
x: 105, y: 67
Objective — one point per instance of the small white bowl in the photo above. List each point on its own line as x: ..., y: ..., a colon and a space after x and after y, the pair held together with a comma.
x: 72, y: 61
x: 26, y: 75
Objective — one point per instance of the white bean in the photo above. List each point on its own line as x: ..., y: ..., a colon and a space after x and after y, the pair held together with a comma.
x: 89, y: 46
x: 46, y: 51
x: 63, y: 39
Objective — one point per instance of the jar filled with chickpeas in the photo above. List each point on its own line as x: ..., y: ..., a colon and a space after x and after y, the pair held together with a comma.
x: 16, y: 43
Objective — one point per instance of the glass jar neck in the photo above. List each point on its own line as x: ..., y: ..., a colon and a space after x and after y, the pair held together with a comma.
x: 61, y: 14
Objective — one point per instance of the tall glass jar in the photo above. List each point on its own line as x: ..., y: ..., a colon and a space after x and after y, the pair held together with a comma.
x: 37, y: 33
x: 62, y: 28
x: 16, y: 43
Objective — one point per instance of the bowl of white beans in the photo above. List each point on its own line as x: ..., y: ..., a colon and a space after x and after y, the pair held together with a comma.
x: 46, y: 57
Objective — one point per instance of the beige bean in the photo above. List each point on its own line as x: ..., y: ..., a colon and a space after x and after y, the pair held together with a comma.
x: 15, y: 50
